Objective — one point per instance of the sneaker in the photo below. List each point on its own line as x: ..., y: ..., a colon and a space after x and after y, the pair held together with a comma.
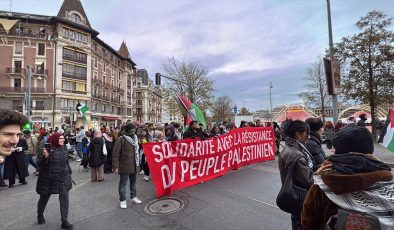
x: 68, y: 226
x: 123, y: 204
x: 79, y: 159
x: 142, y: 172
x: 136, y: 200
x: 146, y: 178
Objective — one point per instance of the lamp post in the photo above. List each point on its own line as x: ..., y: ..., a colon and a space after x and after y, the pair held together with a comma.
x: 270, y: 117
x: 28, y: 100
x: 334, y: 96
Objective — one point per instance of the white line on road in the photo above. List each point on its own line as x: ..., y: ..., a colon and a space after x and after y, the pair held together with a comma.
x: 250, y: 198
x: 79, y: 185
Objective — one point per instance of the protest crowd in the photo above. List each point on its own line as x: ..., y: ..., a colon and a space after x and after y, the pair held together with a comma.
x: 315, y: 185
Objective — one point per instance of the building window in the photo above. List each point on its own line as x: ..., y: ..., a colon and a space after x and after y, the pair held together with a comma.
x: 104, y: 67
x: 95, y: 75
x: 75, y: 18
x: 95, y: 92
x: 94, y: 106
x: 74, y: 87
x: 16, y: 104
x: 39, y: 105
x: 18, y: 66
x: 18, y: 47
x: 103, y: 108
x: 41, y: 49
x: 95, y: 62
x: 17, y: 82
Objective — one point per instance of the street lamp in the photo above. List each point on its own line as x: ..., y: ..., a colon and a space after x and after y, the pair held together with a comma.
x: 270, y: 102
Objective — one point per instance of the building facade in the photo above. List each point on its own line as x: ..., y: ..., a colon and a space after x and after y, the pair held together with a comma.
x: 56, y: 62
x: 148, y: 99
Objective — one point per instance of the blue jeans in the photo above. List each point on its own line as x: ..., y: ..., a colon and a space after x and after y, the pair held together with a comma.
x: 1, y: 169
x: 122, y: 186
x: 30, y: 160
x: 79, y: 150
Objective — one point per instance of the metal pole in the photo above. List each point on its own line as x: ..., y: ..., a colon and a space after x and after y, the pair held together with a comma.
x: 270, y: 117
x: 29, y: 73
x: 334, y: 96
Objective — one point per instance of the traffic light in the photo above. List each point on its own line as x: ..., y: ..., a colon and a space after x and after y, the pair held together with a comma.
x: 235, y: 109
x: 329, y: 80
x: 158, y: 79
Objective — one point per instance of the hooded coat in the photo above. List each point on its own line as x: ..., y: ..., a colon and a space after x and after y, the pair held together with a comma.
x: 96, y: 156
x: 318, y: 208
x: 313, y: 144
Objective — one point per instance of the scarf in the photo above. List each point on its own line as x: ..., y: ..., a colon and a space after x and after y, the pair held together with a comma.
x: 134, y: 141
x: 108, y: 138
x: 351, y: 163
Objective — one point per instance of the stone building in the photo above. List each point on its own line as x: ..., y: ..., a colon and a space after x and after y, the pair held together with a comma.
x: 147, y: 99
x: 62, y: 62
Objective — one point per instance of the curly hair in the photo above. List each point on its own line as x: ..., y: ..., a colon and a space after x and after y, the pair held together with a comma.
x: 9, y: 117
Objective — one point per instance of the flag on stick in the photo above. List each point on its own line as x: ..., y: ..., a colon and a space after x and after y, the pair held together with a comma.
x: 388, y: 132
x: 192, y: 111
x: 81, y: 109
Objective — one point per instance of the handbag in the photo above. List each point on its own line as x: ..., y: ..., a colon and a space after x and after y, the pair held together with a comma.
x: 291, y: 197
x: 104, y: 148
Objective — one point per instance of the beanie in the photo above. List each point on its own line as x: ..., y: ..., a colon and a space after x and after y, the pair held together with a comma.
x: 314, y: 123
x: 128, y: 128
x: 353, y: 139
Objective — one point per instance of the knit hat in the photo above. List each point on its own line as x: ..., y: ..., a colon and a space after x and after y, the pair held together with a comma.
x: 128, y: 128
x: 314, y: 123
x: 353, y: 139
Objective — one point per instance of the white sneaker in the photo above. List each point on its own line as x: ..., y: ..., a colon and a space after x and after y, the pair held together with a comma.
x: 146, y: 178
x: 142, y: 172
x: 123, y: 204
x: 136, y: 200
x: 79, y: 159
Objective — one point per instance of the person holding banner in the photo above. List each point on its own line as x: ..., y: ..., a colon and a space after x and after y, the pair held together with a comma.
x: 296, y: 158
x: 124, y: 162
x: 194, y: 131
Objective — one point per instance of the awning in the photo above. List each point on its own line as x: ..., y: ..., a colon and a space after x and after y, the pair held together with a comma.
x: 110, y: 118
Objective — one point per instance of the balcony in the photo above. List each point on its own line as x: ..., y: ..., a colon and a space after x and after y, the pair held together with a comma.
x: 40, y: 72
x: 74, y: 75
x: 12, y: 89
x: 74, y: 59
x: 18, y: 71
x: 28, y: 33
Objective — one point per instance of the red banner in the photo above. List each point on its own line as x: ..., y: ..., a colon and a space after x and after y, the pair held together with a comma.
x: 179, y: 164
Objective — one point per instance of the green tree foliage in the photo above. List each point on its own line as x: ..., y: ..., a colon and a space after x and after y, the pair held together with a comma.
x: 244, y: 111
x: 367, y: 60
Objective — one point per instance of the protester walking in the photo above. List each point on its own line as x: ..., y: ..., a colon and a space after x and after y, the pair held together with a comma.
x: 85, y: 151
x: 16, y: 164
x: 32, y: 149
x: 109, y: 144
x: 125, y: 162
x: 97, y: 155
x: 144, y: 164
x: 295, y: 167
x: 54, y: 178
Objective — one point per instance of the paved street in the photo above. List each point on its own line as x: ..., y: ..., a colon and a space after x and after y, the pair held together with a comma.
x: 242, y: 199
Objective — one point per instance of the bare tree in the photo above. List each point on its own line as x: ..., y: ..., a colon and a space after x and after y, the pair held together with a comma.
x: 222, y: 108
x: 315, y: 94
x: 191, y: 80
x: 244, y: 111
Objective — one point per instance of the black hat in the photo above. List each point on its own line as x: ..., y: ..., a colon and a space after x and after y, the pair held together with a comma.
x: 314, y: 123
x: 353, y: 139
x: 128, y: 128
x: 363, y: 116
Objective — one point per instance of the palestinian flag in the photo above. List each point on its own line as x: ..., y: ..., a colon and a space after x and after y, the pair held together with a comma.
x: 192, y: 112
x: 81, y: 109
x: 388, y: 132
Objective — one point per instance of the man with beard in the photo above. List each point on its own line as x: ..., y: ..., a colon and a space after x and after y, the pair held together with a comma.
x: 194, y: 131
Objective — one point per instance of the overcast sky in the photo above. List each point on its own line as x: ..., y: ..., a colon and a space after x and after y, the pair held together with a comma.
x: 245, y: 44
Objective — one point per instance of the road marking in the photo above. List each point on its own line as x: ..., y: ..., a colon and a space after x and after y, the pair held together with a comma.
x: 79, y: 185
x: 250, y: 198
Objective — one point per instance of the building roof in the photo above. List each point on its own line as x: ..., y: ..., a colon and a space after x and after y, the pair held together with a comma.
x: 123, y: 51
x: 108, y: 47
x: 72, y: 5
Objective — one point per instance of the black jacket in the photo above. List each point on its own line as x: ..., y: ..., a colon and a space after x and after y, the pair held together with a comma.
x: 96, y: 156
x: 313, y: 144
x: 16, y: 162
x: 193, y: 133
x: 55, y: 172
